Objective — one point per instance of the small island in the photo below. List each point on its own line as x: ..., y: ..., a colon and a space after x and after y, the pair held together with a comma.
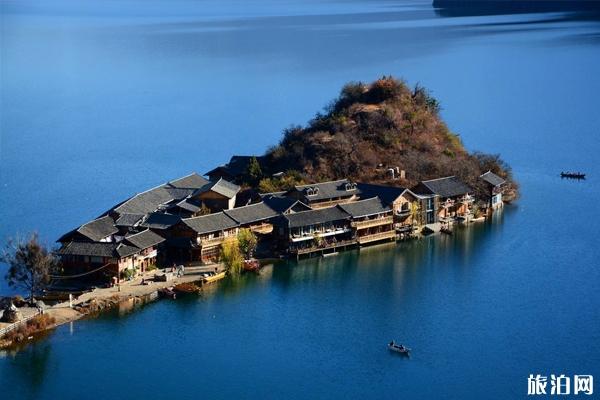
x: 377, y: 165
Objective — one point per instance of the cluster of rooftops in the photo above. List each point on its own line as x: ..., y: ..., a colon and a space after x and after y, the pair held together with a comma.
x: 210, y: 206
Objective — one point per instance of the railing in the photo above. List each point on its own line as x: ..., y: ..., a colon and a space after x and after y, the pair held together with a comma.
x: 212, y: 241
x: 372, y: 222
x: 402, y: 212
x: 315, y: 234
x: 376, y: 236
x: 404, y: 227
x: 17, y: 324
x: 325, y: 246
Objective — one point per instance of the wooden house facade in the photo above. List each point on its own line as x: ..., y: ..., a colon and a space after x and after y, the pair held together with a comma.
x: 306, y: 232
x: 495, y: 187
x: 453, y: 200
x: 371, y: 221
x: 204, y: 236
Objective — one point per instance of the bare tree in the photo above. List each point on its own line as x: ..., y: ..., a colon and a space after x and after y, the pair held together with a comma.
x: 29, y: 264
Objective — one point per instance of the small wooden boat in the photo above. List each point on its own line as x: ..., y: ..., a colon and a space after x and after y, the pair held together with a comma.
x: 398, y: 348
x: 251, y: 265
x: 213, y: 277
x: 186, y: 288
x: 572, y: 175
x: 167, y: 293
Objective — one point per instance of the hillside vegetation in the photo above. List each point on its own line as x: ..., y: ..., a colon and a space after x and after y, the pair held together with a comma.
x: 370, y: 128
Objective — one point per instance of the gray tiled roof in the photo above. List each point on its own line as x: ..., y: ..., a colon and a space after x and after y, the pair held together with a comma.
x: 387, y: 194
x: 160, y: 220
x: 144, y: 239
x: 222, y: 187
x: 281, y: 204
x: 128, y: 219
x: 364, y: 208
x: 179, y: 193
x: 97, y: 249
x: 191, y: 181
x: 210, y: 223
x: 328, y: 190
x: 145, y: 202
x: 492, y: 178
x: 449, y: 186
x: 312, y: 217
x: 251, y: 213
x: 189, y: 205
x: 124, y: 250
x: 98, y: 229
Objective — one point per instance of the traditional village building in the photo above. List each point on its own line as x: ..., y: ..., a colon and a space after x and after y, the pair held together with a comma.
x: 105, y: 260
x: 371, y: 221
x: 199, y: 239
x: 495, y: 184
x: 326, y: 194
x: 107, y: 241
x: 452, y: 201
x: 235, y: 170
x: 320, y: 230
x: 217, y: 196
x: 160, y: 222
x: 409, y: 209
x: 147, y: 243
x: 256, y: 217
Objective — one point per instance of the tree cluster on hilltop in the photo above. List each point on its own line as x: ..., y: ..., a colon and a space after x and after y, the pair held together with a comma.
x: 370, y: 128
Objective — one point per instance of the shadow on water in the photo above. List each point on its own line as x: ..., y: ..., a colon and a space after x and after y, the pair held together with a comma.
x: 29, y: 366
x: 580, y: 10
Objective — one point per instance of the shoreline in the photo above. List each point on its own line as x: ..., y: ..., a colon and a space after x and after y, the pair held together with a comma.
x: 92, y: 303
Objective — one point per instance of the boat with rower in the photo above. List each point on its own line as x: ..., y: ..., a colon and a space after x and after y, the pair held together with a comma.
x: 398, y: 348
x: 572, y: 175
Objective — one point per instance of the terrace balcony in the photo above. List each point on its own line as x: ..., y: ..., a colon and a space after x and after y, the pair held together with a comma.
x: 298, y: 251
x: 387, y: 235
x: 372, y: 222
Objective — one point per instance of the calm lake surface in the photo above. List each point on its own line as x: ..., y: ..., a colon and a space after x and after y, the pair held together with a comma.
x: 100, y: 99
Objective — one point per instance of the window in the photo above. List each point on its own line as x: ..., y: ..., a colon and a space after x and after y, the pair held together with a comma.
x: 430, y: 203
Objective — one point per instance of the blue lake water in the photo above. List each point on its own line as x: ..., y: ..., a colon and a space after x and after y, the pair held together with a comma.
x: 100, y: 99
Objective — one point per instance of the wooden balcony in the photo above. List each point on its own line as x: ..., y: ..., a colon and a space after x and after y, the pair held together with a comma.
x: 322, y: 247
x: 387, y: 235
x: 264, y: 228
x: 372, y: 222
x: 212, y: 241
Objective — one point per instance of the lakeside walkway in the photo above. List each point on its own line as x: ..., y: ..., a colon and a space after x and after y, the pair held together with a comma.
x: 63, y: 313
